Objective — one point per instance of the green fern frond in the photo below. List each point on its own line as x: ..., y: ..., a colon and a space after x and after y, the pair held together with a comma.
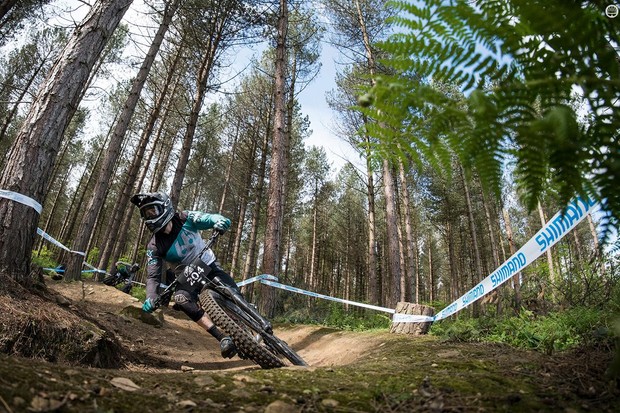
x: 519, y: 65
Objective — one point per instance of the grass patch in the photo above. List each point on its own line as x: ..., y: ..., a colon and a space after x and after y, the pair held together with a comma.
x: 554, y: 332
x: 336, y: 316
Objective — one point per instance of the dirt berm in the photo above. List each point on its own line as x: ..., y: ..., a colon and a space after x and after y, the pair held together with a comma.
x: 83, y: 347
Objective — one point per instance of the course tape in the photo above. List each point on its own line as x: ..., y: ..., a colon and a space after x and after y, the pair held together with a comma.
x: 555, y: 229
x: 59, y: 244
x: 257, y: 278
x: 326, y: 297
x: 59, y: 271
x: 22, y: 199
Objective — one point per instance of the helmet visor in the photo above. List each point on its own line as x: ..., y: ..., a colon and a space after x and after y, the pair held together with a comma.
x: 151, y: 212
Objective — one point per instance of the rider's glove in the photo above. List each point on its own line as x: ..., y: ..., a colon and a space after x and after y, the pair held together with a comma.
x: 222, y: 224
x: 148, y: 306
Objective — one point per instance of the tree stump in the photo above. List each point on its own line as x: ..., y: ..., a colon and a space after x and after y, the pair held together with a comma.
x: 412, y: 328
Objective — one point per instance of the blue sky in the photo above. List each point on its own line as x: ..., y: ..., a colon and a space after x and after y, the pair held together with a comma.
x: 313, y: 103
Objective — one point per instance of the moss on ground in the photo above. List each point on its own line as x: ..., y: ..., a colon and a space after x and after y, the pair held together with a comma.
x: 403, y: 375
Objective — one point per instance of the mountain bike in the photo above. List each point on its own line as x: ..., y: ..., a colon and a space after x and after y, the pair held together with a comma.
x: 113, y: 280
x: 250, y: 331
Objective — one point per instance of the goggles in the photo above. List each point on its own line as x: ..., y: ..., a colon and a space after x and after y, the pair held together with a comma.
x: 152, y: 211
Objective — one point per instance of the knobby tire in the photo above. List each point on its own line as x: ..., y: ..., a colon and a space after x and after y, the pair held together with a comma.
x: 227, y: 316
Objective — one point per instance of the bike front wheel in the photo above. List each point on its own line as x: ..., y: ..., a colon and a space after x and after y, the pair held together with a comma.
x: 266, y: 350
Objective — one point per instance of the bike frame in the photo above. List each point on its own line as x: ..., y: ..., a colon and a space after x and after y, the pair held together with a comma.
x: 217, y: 285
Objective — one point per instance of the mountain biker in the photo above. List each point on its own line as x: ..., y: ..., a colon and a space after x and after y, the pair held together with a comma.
x: 126, y: 272
x: 176, y: 240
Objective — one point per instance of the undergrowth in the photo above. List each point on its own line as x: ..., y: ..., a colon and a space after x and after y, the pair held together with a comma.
x: 336, y: 316
x: 558, y: 331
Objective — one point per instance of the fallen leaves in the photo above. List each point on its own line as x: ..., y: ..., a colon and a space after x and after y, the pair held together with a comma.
x: 124, y: 384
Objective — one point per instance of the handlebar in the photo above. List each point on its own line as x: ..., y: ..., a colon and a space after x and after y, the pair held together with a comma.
x: 170, y: 288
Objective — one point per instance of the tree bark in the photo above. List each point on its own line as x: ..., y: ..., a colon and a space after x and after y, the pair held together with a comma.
x: 374, y: 286
x: 243, y: 205
x: 32, y: 156
x: 19, y: 100
x: 552, y: 274
x: 392, y: 235
x: 411, y: 270
x: 117, y: 232
x: 474, y: 239
x: 250, y: 260
x: 204, y: 72
x: 516, y: 279
x: 414, y: 329
x: 5, y: 7
x: 277, y: 173
x: 74, y: 265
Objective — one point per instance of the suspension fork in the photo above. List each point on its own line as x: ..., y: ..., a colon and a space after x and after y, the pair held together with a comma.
x: 237, y: 298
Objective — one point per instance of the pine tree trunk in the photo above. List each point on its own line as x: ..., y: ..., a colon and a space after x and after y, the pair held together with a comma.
x: 54, y: 203
x: 19, y: 101
x: 374, y: 286
x: 431, y: 275
x: 516, y: 279
x: 117, y: 233
x: 277, y: 173
x: 474, y: 239
x: 243, y: 204
x: 312, y: 284
x: 250, y: 261
x: 74, y: 265
x: 552, y: 274
x: 204, y: 73
x: 595, y: 243
x: 74, y: 211
x: 31, y: 159
x: 414, y: 329
x: 5, y: 7
x: 401, y: 241
x: 454, y: 292
x: 392, y: 235
x: 491, y: 228
x: 228, y: 173
x: 411, y: 270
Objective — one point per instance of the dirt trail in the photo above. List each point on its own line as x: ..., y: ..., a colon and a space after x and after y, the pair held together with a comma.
x: 176, y: 367
x: 180, y: 342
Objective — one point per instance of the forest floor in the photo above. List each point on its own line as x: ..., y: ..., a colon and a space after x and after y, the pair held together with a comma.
x: 87, y: 347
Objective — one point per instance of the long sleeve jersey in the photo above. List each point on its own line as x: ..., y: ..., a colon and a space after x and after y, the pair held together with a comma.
x: 181, y: 246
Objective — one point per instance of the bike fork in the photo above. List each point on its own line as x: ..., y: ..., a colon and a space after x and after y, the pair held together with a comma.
x: 238, y: 299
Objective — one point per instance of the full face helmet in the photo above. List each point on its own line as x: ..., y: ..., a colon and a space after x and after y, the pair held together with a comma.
x: 155, y: 209
x: 135, y: 268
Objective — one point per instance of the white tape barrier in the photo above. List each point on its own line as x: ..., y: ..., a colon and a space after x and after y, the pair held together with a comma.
x: 94, y: 269
x: 557, y: 227
x: 326, y: 297
x: 25, y: 200
x: 22, y: 199
x: 57, y: 243
x: 257, y: 278
x: 271, y: 281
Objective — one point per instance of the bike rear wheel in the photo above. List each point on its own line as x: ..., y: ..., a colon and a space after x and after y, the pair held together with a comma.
x: 251, y: 340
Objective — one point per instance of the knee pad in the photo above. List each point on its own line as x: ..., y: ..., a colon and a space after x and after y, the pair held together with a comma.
x: 184, y: 300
